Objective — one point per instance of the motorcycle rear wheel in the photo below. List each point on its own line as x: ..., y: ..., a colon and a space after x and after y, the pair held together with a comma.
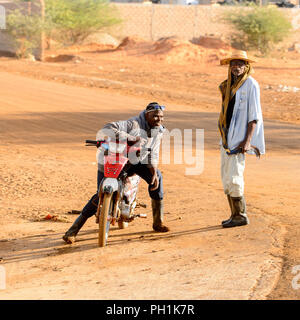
x: 104, y: 224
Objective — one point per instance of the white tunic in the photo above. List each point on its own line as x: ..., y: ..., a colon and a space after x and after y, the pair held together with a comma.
x: 246, y: 109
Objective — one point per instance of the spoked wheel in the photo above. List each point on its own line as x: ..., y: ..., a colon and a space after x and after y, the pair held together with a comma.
x: 104, y: 223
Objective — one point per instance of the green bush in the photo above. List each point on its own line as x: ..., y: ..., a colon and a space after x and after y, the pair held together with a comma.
x: 258, y: 28
x: 25, y: 32
x: 74, y: 20
x: 66, y: 21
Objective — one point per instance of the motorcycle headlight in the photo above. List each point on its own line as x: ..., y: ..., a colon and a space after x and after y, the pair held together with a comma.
x: 116, y: 147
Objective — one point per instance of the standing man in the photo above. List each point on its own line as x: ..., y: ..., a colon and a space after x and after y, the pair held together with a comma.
x: 147, y: 129
x: 242, y: 131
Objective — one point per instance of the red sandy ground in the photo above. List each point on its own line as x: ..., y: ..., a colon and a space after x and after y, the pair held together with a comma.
x: 47, y: 111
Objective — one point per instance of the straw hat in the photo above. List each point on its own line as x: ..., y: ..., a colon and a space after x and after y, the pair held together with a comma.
x: 237, y: 55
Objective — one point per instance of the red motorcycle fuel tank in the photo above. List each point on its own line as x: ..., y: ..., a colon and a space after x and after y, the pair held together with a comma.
x: 113, y: 165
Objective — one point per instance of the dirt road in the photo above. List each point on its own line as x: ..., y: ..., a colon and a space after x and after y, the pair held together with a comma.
x: 45, y: 168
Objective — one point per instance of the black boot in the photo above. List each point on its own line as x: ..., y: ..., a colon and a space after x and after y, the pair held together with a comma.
x: 158, y: 213
x: 88, y: 211
x: 70, y: 235
x: 231, y: 209
x: 239, y: 213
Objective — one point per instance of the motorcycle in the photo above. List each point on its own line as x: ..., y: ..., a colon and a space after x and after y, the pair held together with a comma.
x: 117, y: 190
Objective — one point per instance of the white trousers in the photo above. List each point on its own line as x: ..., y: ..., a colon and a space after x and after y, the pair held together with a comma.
x: 232, y: 173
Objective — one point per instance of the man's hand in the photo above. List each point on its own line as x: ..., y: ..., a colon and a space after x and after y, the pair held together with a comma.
x: 155, y: 181
x: 134, y: 139
x: 245, y: 145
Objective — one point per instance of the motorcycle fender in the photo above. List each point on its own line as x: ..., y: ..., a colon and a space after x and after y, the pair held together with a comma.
x: 110, y: 185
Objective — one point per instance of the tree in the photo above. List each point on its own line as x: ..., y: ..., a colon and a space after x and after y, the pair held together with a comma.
x: 25, y: 31
x: 257, y: 27
x: 67, y: 21
x: 74, y: 20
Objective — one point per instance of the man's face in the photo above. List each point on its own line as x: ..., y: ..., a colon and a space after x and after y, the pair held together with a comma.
x: 155, y: 118
x: 238, y: 67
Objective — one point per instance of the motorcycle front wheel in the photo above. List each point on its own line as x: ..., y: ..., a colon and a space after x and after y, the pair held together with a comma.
x: 104, y: 223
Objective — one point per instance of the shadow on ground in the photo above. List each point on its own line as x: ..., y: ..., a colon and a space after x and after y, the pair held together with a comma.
x: 58, y: 127
x: 44, y: 245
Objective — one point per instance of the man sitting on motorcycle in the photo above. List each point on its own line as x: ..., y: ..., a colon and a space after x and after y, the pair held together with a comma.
x: 147, y: 129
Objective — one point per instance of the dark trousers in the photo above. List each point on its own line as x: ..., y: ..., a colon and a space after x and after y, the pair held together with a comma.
x: 141, y: 170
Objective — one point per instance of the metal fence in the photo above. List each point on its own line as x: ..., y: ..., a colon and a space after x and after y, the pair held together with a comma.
x: 153, y: 22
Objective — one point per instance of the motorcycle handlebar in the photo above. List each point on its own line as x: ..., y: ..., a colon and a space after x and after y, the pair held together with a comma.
x: 99, y: 142
x: 91, y: 142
